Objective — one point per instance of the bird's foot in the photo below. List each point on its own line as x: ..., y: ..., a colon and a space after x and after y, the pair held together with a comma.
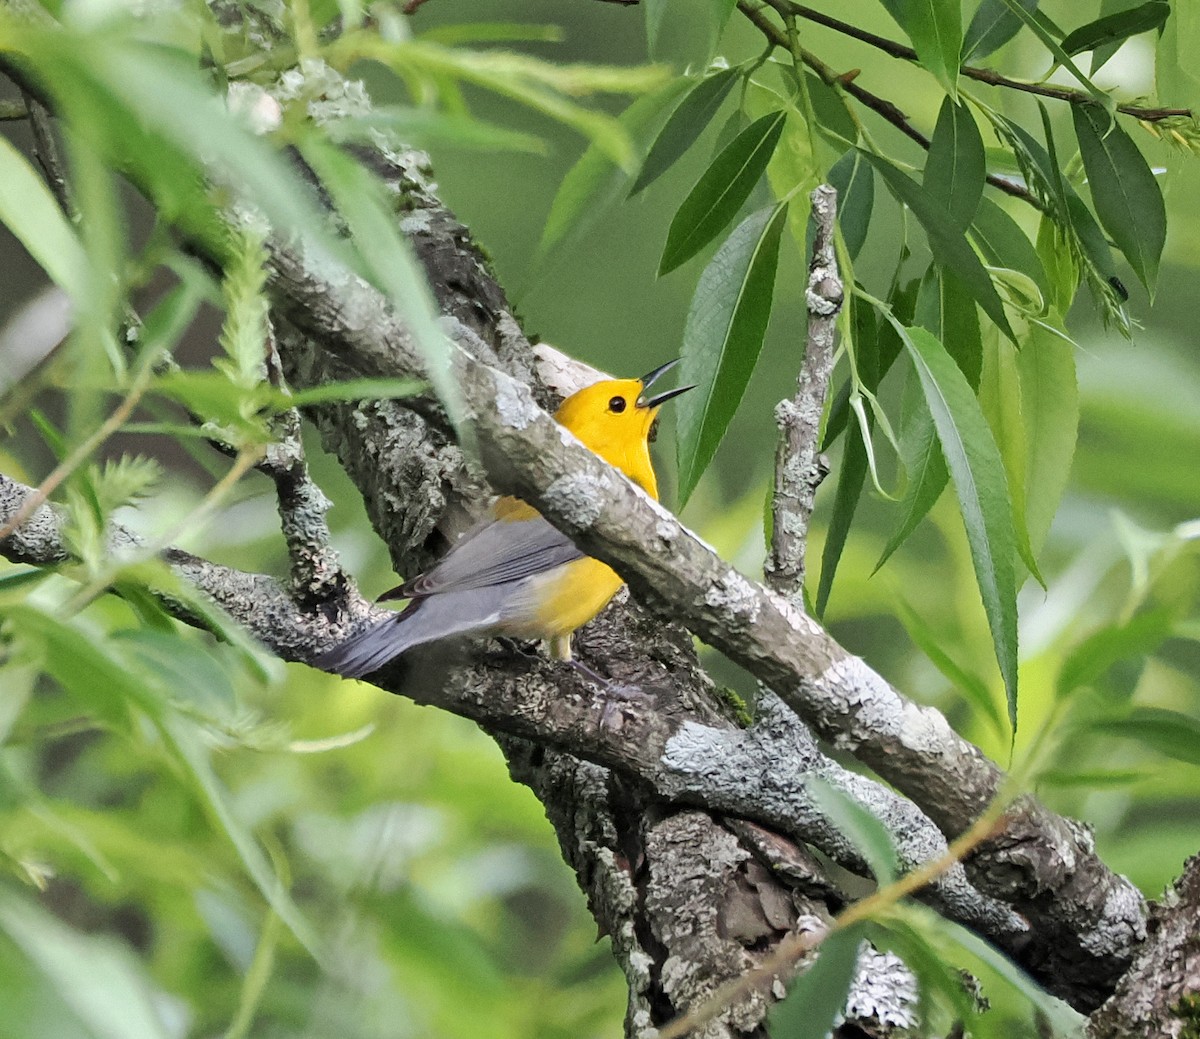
x: 616, y: 699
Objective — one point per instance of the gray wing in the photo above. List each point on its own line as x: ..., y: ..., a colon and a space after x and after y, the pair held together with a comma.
x: 494, y: 552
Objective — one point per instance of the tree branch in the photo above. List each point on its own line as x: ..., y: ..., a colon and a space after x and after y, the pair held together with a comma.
x: 798, y: 471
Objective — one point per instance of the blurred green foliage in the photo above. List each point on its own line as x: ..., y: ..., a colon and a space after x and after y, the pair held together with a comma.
x: 197, y: 840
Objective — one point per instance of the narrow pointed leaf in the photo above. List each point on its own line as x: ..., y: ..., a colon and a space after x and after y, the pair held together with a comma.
x: 992, y: 26
x: 32, y: 215
x: 1089, y: 660
x: 1050, y: 413
x: 818, y: 996
x: 655, y: 10
x: 722, y: 189
x: 935, y: 28
x: 855, y: 183
x: 595, y: 181
x: 1126, y: 194
x: 927, y: 478
x: 946, y: 240
x: 1115, y: 28
x: 1003, y: 244
x: 851, y: 477
x: 685, y: 125
x: 1170, y: 733
x: 956, y: 167
x: 869, y: 836
x: 978, y: 474
x: 723, y: 336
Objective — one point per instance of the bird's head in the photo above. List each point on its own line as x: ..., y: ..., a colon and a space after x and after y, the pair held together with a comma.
x: 614, y: 417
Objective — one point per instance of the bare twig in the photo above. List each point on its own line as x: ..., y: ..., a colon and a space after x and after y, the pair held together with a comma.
x: 316, y: 570
x: 45, y: 150
x: 798, y: 471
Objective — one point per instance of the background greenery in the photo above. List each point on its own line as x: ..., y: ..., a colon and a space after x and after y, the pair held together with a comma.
x: 139, y: 843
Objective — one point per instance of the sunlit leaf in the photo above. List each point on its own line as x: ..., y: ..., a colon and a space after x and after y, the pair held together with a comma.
x: 720, y: 192
x: 32, y: 215
x: 722, y: 338
x: 425, y: 128
x: 977, y: 472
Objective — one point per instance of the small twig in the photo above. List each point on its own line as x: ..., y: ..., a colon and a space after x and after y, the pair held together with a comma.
x: 45, y: 150
x: 798, y: 470
x: 981, y: 75
x: 796, y: 946
x: 80, y: 455
x: 316, y: 570
x: 881, y: 106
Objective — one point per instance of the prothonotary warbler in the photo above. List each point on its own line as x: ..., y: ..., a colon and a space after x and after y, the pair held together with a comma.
x: 513, y: 573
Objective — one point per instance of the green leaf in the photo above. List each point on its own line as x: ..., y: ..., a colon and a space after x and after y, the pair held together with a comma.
x: 818, y: 996
x: 1048, y: 33
x: 689, y: 120
x: 992, y: 26
x: 722, y: 338
x: 1050, y: 412
x: 426, y: 128
x: 1169, y: 733
x: 98, y: 979
x: 1005, y: 245
x: 32, y: 215
x: 1126, y: 194
x: 1093, y: 779
x: 1000, y: 397
x: 655, y: 10
x: 926, y: 476
x: 851, y: 477
x: 946, y: 240
x: 719, y: 12
x: 720, y: 192
x: 594, y: 182
x: 1115, y: 28
x: 977, y: 471
x: 868, y: 835
x: 935, y: 28
x: 351, y: 390
x: 388, y: 260
x: 1096, y: 654
x: 945, y: 308
x: 1176, y: 79
x: 956, y: 167
x: 855, y: 183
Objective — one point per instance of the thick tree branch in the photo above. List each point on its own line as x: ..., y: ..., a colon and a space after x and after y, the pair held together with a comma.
x: 1043, y: 865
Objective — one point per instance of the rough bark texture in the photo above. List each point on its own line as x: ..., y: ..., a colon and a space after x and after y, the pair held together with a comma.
x: 1159, y: 998
x: 690, y: 834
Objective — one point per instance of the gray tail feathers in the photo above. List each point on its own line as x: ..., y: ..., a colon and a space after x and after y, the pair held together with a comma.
x: 424, y: 620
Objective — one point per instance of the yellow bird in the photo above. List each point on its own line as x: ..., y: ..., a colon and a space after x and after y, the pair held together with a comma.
x: 513, y: 573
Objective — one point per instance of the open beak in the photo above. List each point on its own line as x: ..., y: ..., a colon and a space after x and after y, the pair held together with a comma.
x: 650, y: 378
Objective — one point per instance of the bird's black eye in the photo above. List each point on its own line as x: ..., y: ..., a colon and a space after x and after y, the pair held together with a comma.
x: 617, y: 404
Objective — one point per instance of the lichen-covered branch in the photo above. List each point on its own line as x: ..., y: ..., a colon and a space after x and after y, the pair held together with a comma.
x: 798, y: 470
